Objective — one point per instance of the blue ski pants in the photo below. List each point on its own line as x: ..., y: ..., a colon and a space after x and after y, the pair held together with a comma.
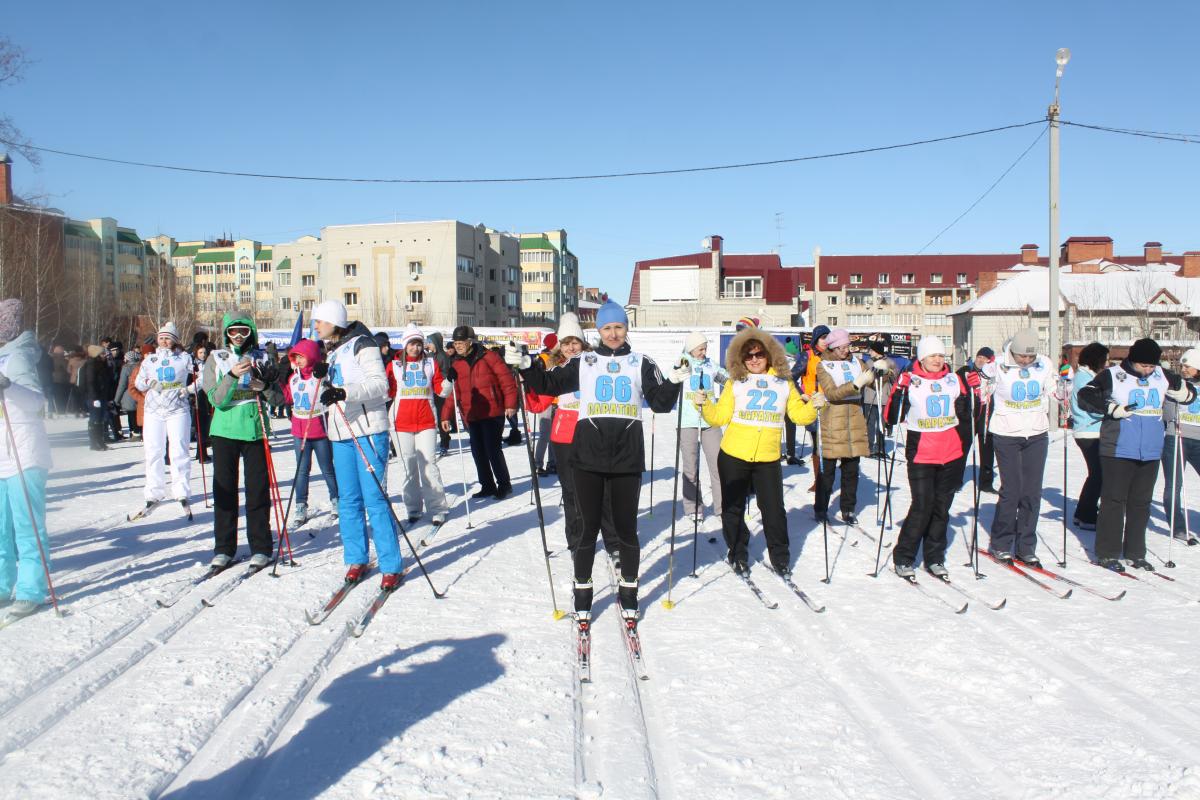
x: 20, y: 559
x: 360, y: 499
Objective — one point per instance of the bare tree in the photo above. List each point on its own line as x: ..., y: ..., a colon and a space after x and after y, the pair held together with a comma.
x: 13, y: 63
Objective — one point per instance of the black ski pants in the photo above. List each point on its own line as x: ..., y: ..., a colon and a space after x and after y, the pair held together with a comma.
x: 849, y: 497
x: 1089, y: 493
x: 572, y: 519
x: 1128, y: 486
x: 623, y: 490
x: 488, y: 453
x: 766, y: 478
x: 1022, y: 463
x: 933, y: 487
x: 225, y: 456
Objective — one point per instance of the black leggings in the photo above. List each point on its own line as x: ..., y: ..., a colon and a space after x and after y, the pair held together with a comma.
x: 624, y: 490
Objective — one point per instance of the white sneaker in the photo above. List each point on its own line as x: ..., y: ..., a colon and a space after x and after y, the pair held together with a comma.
x: 301, y: 514
x: 23, y: 608
x: 220, y: 561
x: 260, y: 560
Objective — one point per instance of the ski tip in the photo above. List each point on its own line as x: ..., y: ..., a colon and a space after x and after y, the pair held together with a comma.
x: 668, y: 604
x: 820, y: 610
x: 1122, y: 594
x: 206, y: 603
x: 1067, y: 595
x: 1000, y: 605
x: 963, y: 610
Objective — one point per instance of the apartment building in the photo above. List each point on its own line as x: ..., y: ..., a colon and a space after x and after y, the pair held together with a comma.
x: 113, y: 254
x: 226, y: 277
x: 549, y: 277
x: 714, y: 288
x: 439, y: 273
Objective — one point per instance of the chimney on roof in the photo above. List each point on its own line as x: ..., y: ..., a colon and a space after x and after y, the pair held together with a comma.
x: 1086, y: 248
x: 988, y: 280
x: 6, y: 194
x: 713, y: 243
x: 1029, y: 254
x: 1153, y: 252
x: 1191, y: 265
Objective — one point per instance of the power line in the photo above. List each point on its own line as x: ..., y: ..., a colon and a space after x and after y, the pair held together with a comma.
x: 597, y: 176
x: 979, y: 200
x: 1187, y: 138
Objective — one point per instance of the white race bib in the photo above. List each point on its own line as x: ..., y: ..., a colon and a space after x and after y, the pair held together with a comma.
x: 1144, y: 394
x: 610, y: 386
x: 760, y: 400
x: 1020, y: 388
x: 931, y: 403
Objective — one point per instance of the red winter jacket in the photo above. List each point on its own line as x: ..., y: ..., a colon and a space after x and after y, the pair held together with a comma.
x: 414, y: 414
x: 938, y: 447
x: 484, y: 386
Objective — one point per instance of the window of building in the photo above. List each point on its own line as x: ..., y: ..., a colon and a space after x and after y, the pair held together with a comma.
x: 885, y: 297
x: 860, y: 319
x: 907, y: 298
x: 908, y: 277
x: 961, y: 278
x: 350, y: 270
x: 743, y: 287
x: 833, y: 321
x: 935, y: 319
x: 935, y: 277
x: 466, y: 294
x: 466, y: 264
x: 492, y: 274
x: 244, y: 297
x: 284, y: 278
x: 856, y: 278
x: 350, y: 298
x: 308, y: 304
x: 244, y: 280
x: 285, y: 304
x: 831, y: 299
x: 416, y: 296
x: 884, y: 278
x: 416, y: 267
x: 265, y: 266
x: 831, y: 279
x: 308, y: 280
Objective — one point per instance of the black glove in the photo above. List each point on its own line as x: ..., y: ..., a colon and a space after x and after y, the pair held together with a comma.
x: 451, y: 374
x: 4, y: 382
x: 320, y: 370
x: 333, y: 395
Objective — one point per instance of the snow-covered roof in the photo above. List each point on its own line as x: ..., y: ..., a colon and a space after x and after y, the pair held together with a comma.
x: 1110, y: 291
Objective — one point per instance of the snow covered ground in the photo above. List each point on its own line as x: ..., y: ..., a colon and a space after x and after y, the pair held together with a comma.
x: 888, y: 694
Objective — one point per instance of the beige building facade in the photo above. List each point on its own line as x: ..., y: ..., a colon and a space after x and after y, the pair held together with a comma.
x: 549, y: 277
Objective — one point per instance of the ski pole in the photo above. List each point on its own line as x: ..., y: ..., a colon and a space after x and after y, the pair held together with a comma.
x: 379, y: 485
x: 462, y: 464
x: 200, y: 443
x: 276, y: 500
x: 1176, y: 483
x: 537, y: 493
x: 887, y: 493
x: 37, y: 535
x: 650, y: 512
x: 668, y: 603
x: 973, y: 545
x: 1066, y: 420
x: 699, y: 497
x: 821, y: 490
x: 1182, y: 491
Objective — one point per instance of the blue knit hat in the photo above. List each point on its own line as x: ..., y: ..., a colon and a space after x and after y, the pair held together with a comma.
x: 611, y: 312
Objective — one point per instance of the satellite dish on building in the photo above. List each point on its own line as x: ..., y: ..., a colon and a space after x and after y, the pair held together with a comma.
x: 706, y: 243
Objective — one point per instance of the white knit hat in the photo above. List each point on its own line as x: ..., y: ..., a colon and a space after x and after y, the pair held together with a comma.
x: 330, y: 311
x: 169, y: 329
x: 930, y: 346
x: 1191, y: 358
x: 568, y: 325
x: 410, y: 334
x: 694, y: 340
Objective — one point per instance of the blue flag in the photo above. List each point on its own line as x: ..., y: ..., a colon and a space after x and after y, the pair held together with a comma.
x: 298, y: 331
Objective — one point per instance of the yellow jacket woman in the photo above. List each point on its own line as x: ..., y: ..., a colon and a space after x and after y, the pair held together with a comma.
x: 752, y: 405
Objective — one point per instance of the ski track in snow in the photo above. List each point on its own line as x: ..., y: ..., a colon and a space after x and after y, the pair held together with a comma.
x: 886, y: 695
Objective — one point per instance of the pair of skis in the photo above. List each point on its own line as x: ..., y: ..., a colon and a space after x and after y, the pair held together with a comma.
x: 786, y: 578
x: 208, y: 575
x: 1030, y: 572
x: 145, y: 510
x: 356, y: 627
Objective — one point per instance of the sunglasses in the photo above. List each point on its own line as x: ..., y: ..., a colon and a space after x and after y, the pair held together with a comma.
x: 755, y: 354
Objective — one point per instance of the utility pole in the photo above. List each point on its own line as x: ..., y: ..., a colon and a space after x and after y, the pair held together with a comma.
x: 1061, y: 58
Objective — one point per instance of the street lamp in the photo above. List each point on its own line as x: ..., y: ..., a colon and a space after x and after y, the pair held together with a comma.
x: 1060, y: 58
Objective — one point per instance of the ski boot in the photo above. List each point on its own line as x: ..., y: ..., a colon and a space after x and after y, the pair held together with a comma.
x: 1030, y: 561
x: 260, y: 561
x: 1112, y: 563
x: 583, y: 599
x: 849, y: 517
x: 937, y: 571
x: 356, y: 572
x: 22, y: 608
x: 390, y: 582
x: 1086, y: 526
x: 220, y: 561
x: 906, y: 571
x: 1141, y: 563
x: 1002, y: 555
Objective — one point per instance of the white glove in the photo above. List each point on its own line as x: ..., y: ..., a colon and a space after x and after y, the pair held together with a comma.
x: 95, y: 404
x: 447, y: 389
x: 864, y: 378
x: 819, y: 401
x: 882, y: 365
x: 1179, y: 395
x: 515, y: 358
x: 1118, y: 411
x: 679, y: 374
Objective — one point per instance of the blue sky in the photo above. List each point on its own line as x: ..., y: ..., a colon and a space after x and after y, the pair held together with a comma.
x: 455, y: 89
